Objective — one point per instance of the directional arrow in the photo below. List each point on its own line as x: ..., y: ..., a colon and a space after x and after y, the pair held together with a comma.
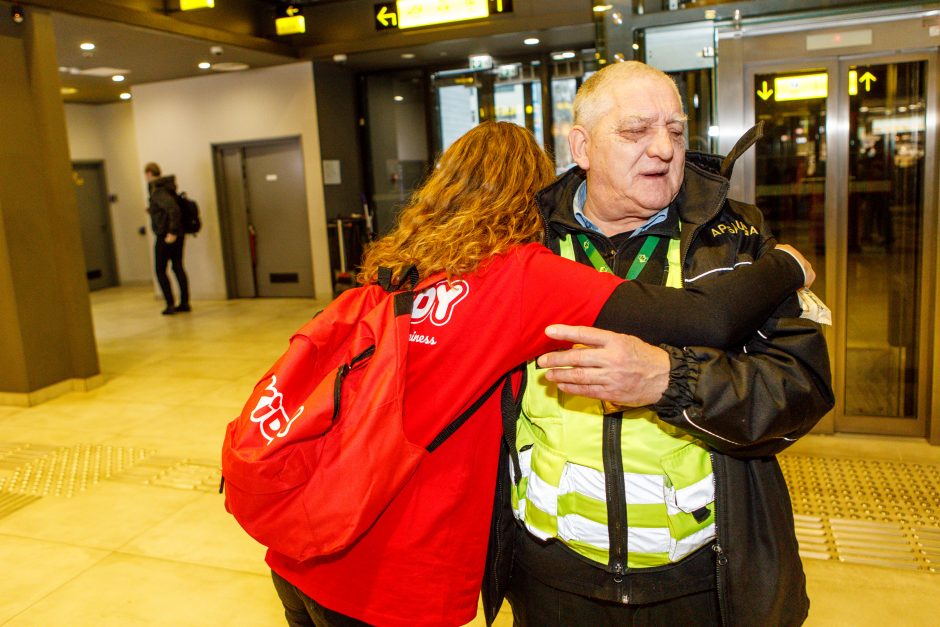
x: 867, y: 78
x: 765, y: 93
x: 292, y: 11
x: 384, y: 16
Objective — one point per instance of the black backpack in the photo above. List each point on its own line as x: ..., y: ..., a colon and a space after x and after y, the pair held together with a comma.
x: 189, y: 213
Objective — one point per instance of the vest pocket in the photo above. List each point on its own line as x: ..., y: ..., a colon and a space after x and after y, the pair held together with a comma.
x: 689, y: 492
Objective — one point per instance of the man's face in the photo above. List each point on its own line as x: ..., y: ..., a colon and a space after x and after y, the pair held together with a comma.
x: 634, y: 152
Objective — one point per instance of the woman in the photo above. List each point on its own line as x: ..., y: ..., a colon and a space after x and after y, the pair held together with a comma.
x: 488, y: 291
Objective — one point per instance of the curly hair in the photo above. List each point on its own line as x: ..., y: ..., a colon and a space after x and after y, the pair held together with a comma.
x: 478, y: 202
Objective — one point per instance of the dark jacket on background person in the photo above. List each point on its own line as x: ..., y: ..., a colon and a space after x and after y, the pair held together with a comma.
x: 745, y: 410
x: 165, y: 214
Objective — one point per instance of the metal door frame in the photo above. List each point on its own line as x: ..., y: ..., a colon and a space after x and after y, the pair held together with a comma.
x: 224, y: 205
x: 744, y: 52
x: 111, y: 253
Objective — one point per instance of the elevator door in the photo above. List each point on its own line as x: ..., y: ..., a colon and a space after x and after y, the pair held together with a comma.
x: 94, y: 213
x: 263, y: 214
x: 843, y: 175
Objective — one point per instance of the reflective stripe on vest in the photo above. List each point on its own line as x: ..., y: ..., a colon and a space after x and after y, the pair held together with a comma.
x: 561, y: 494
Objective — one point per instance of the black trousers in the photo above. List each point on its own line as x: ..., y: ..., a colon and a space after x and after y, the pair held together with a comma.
x: 535, y: 604
x: 302, y: 611
x: 165, y: 254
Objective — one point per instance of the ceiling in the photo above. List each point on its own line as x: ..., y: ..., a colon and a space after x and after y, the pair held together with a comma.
x: 145, y: 55
x: 142, y: 56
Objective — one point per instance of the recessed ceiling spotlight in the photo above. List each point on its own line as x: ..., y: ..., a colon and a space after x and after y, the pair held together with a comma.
x: 600, y: 8
x: 561, y: 56
x: 67, y: 91
x: 398, y: 98
x: 205, y: 65
x: 118, y: 78
x: 230, y: 66
x: 126, y: 95
x: 531, y: 41
x: 87, y: 46
x: 407, y: 55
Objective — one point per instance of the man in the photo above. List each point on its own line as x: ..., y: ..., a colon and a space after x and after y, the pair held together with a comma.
x: 676, y: 512
x: 167, y: 223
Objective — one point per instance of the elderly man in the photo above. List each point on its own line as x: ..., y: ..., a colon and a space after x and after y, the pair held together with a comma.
x: 667, y: 507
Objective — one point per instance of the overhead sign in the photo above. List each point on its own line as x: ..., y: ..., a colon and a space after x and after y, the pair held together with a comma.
x: 866, y: 79
x: 802, y: 87
x: 418, y: 13
x: 289, y: 20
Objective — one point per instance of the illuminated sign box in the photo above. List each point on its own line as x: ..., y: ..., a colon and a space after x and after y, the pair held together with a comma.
x: 415, y: 13
x: 189, y: 5
x: 804, y: 87
x: 290, y: 25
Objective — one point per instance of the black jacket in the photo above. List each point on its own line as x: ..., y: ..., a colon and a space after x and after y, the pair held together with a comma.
x: 165, y: 214
x: 747, y: 405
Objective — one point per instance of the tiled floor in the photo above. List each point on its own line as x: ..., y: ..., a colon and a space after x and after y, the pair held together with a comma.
x: 149, y: 543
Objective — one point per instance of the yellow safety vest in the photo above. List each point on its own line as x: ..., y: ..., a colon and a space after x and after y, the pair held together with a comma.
x: 562, y: 491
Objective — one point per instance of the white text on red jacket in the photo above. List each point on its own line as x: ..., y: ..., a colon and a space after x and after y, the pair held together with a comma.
x: 436, y: 304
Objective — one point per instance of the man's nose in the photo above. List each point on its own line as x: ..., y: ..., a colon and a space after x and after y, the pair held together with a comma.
x: 661, y: 144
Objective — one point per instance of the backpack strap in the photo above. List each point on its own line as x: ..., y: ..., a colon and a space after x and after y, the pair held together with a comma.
x: 409, y: 279
x: 506, y: 382
x: 747, y: 140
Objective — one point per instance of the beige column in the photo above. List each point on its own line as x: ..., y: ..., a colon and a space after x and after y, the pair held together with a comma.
x: 47, y: 342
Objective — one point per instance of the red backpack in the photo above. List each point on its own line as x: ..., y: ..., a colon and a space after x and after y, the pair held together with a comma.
x: 319, y: 450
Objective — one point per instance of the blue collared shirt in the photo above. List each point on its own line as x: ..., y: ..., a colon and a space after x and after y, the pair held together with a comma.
x: 580, y: 197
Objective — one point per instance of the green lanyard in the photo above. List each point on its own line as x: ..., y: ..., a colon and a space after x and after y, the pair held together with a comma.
x: 646, y: 251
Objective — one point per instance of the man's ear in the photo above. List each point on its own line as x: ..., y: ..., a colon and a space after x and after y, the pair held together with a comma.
x: 578, y: 139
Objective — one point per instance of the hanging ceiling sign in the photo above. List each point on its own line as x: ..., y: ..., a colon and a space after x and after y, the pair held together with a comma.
x: 418, y: 13
x: 802, y: 87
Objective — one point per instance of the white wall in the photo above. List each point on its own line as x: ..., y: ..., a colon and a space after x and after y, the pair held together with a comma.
x: 178, y: 122
x: 106, y: 133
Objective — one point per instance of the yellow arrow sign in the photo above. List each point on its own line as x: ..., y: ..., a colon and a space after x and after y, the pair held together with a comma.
x: 384, y: 17
x: 868, y: 78
x: 292, y: 11
x: 765, y: 93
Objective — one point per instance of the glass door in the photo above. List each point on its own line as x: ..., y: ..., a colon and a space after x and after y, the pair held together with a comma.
x: 882, y: 340
x: 843, y: 175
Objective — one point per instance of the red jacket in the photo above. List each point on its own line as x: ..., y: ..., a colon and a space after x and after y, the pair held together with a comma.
x: 422, y: 562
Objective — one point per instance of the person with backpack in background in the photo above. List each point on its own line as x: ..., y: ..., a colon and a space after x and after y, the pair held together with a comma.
x: 166, y: 219
x: 487, y: 292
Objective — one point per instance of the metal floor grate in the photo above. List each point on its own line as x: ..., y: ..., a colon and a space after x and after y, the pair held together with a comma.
x: 866, y: 511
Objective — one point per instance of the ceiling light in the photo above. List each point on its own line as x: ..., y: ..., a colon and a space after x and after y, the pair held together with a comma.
x: 561, y: 56
x: 67, y: 91
x: 118, y: 78
x: 87, y: 46
x: 531, y: 41
x: 125, y: 95
x: 398, y: 98
x: 636, y: 46
x: 205, y: 65
x: 407, y: 55
x: 230, y: 66
x: 17, y: 15
x: 600, y: 8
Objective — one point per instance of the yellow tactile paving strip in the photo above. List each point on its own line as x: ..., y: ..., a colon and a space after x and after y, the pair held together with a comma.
x: 29, y: 472
x: 850, y: 510
x: 866, y: 511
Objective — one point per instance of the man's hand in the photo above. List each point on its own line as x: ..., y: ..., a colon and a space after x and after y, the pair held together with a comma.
x: 608, y: 366
x: 170, y: 238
